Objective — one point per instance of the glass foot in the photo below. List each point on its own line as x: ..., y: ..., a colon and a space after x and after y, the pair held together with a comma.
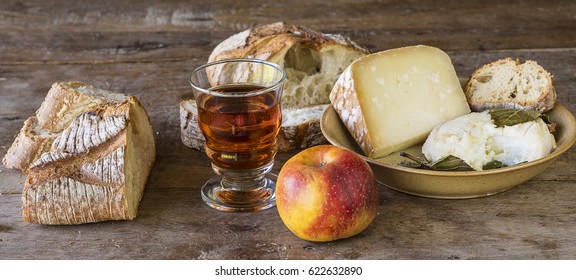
x: 240, y: 200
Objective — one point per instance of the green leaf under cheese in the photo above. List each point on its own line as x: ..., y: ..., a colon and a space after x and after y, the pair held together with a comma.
x: 509, y: 117
x: 493, y: 165
x: 449, y: 163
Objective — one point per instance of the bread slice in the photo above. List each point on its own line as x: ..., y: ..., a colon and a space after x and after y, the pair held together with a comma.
x: 190, y: 132
x: 300, y: 127
x: 511, y: 84
x: 88, y: 153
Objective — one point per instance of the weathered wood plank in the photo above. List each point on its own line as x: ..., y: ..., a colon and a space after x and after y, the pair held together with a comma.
x: 148, y: 48
x: 174, y: 224
x: 160, y: 85
x: 54, y: 31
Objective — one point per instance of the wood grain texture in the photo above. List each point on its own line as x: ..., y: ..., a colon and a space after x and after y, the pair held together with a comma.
x: 148, y: 49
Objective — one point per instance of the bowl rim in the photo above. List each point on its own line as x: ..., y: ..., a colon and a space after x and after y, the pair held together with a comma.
x: 567, y: 143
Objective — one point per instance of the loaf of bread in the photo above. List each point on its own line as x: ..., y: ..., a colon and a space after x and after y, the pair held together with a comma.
x: 312, y: 61
x: 509, y: 83
x: 300, y: 127
x: 88, y: 153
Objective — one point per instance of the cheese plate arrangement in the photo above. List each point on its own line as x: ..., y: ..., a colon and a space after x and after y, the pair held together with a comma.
x: 391, y: 171
x: 427, y: 132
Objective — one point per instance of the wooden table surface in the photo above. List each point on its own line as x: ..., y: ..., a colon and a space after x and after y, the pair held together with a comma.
x: 148, y: 48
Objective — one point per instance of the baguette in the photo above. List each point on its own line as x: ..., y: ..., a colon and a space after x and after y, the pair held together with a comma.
x: 510, y: 84
x: 88, y: 153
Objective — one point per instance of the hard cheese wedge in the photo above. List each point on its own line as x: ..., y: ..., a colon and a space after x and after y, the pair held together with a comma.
x: 391, y: 100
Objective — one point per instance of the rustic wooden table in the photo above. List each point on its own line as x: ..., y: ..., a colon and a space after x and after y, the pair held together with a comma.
x: 148, y: 48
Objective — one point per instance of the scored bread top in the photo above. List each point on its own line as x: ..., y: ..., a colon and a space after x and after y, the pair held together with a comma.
x: 64, y: 102
x: 511, y: 84
x: 265, y: 41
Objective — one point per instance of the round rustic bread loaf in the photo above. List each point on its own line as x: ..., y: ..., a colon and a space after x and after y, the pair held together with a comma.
x: 312, y: 60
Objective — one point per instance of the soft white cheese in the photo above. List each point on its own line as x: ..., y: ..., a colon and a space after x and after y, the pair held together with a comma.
x: 475, y: 139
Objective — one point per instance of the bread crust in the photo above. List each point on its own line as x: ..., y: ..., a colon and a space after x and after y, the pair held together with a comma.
x: 190, y: 132
x: 266, y: 41
x: 63, y: 103
x: 304, y: 134
x: 27, y: 147
x: 75, y: 184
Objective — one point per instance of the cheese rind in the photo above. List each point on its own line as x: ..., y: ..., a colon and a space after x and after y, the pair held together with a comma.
x: 392, y: 99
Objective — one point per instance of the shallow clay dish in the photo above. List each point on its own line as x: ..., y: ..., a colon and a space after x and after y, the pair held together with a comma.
x: 451, y: 184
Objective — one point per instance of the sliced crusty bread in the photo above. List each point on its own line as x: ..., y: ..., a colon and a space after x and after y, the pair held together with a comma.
x: 300, y: 127
x: 88, y: 153
x: 511, y: 84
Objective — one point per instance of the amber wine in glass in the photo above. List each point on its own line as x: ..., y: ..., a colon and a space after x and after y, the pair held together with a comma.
x: 239, y: 114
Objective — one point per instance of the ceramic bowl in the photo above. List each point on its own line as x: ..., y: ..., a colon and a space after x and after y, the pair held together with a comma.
x: 451, y: 184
